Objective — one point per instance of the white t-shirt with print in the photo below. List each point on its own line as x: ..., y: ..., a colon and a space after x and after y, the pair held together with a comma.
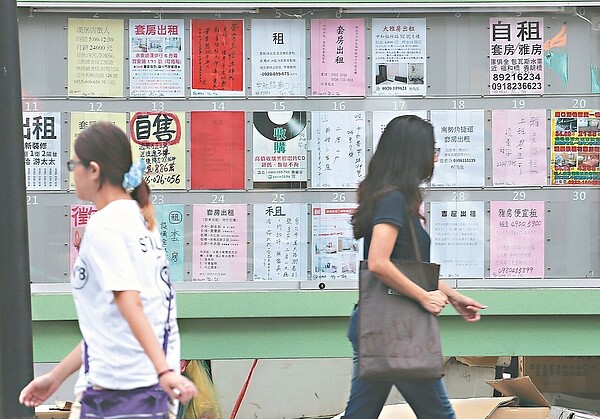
x: 119, y: 253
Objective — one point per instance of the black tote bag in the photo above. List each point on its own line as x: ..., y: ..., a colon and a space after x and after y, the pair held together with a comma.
x: 397, y: 337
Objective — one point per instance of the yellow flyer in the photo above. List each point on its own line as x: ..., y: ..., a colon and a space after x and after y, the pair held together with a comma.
x: 95, y: 57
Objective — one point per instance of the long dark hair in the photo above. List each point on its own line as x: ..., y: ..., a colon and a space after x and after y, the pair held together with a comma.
x: 108, y: 145
x: 403, y: 161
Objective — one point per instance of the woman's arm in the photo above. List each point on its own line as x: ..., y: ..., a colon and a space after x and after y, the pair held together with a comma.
x: 42, y: 387
x: 466, y: 306
x: 382, y: 243
x: 131, y: 308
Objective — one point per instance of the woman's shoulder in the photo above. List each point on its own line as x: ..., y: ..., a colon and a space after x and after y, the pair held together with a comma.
x: 117, y: 215
x: 393, y: 197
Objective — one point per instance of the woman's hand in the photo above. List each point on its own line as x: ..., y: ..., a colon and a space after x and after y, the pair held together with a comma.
x: 178, y: 387
x: 466, y: 306
x: 434, y: 302
x: 38, y: 390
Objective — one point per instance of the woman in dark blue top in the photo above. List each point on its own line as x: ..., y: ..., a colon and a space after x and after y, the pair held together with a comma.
x: 388, y: 198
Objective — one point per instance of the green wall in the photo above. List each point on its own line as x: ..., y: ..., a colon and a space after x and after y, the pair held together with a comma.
x: 306, y: 324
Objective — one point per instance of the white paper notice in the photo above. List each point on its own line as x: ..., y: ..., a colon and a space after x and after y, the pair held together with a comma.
x: 457, y: 238
x: 459, y: 137
x: 280, y: 240
x: 337, y: 149
x: 336, y: 254
x: 278, y: 58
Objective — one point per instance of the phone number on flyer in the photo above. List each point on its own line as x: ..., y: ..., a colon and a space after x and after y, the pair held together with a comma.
x: 517, y: 86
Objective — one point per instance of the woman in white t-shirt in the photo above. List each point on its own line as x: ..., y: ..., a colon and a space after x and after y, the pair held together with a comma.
x: 120, y: 280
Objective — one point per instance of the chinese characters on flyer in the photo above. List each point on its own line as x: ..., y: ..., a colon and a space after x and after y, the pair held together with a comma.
x: 170, y: 224
x: 278, y: 59
x: 516, y: 55
x: 95, y: 60
x: 336, y: 254
x: 220, y: 244
x: 41, y: 137
x: 279, y: 146
x: 159, y: 138
x: 337, y: 149
x: 217, y: 57
x: 337, y: 48
x: 575, y: 147
x: 280, y: 236
x: 399, y: 57
x: 517, y: 239
x: 156, y: 58
x: 519, y: 147
x: 218, y: 150
x: 459, y: 137
x: 457, y: 238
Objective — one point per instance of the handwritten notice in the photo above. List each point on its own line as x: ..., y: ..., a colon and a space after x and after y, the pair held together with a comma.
x: 336, y: 254
x: 338, y: 57
x: 399, y: 57
x: 278, y: 59
x: 337, y: 149
x: 516, y: 55
x: 159, y: 138
x: 156, y: 60
x: 457, y: 238
x: 170, y: 223
x: 220, y: 243
x: 217, y: 57
x: 519, y: 147
x: 459, y: 136
x: 95, y: 57
x: 41, y: 143
x: 517, y: 239
x: 218, y: 150
x: 79, y: 216
x: 280, y: 236
x: 575, y: 147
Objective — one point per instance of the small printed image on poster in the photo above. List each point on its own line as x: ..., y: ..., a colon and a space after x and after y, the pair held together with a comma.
x: 280, y: 242
x: 170, y: 224
x: 79, y: 216
x: 41, y: 143
x: 95, y: 57
x: 220, y: 245
x: 517, y: 239
x: 459, y: 139
x: 516, y: 55
x: 337, y: 149
x: 399, y: 48
x: 217, y: 151
x: 382, y: 118
x: 336, y: 254
x: 457, y: 238
x: 217, y: 57
x: 156, y: 61
x: 278, y: 59
x: 279, y: 144
x: 159, y: 139
x: 81, y: 120
x: 519, y: 147
x: 337, y: 48
x: 575, y: 147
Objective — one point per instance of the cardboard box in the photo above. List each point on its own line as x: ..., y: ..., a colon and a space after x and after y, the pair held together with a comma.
x: 58, y: 410
x: 521, y: 400
x: 51, y: 412
x: 563, y: 374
